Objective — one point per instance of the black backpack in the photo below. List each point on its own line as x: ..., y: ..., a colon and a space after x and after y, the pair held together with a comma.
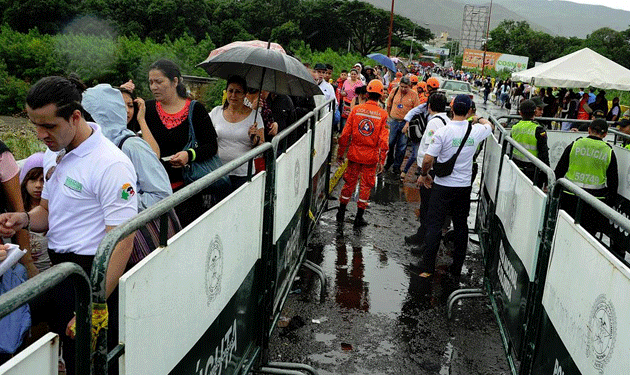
x: 418, y: 125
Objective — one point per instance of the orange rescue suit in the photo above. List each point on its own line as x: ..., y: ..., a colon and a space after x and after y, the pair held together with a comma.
x: 365, y: 135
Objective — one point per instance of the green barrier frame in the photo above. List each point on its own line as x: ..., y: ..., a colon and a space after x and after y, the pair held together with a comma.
x: 45, y: 282
x: 490, y: 249
x: 533, y: 333
x: 160, y: 210
x: 532, y: 326
x: 259, y: 357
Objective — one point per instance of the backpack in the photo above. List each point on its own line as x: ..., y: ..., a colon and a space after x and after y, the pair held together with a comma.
x: 418, y: 125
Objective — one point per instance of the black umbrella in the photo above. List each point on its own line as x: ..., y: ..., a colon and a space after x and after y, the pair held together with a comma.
x: 278, y: 72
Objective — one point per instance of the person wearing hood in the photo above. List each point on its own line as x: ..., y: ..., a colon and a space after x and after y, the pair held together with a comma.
x: 107, y: 107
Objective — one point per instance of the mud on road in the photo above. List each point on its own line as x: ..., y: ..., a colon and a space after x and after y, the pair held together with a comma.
x: 378, y: 316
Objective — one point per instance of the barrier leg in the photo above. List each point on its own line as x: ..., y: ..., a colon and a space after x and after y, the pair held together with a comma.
x: 293, y: 366
x: 273, y: 371
x: 460, y: 294
x: 320, y: 272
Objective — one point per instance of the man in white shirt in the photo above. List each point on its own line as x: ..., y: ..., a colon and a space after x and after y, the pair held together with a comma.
x: 450, y: 193
x: 327, y: 89
x: 436, y: 107
x: 89, y: 188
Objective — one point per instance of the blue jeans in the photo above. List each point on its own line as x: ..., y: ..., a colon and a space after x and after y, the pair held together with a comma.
x: 412, y: 158
x: 397, y: 143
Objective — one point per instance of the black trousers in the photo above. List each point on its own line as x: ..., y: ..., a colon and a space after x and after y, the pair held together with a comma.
x: 425, y: 197
x: 453, y: 201
x: 57, y: 309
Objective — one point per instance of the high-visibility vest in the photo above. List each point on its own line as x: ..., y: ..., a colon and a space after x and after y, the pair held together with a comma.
x: 524, y: 132
x: 588, y: 163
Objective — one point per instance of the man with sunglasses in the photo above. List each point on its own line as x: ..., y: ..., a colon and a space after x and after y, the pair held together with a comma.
x: 89, y: 189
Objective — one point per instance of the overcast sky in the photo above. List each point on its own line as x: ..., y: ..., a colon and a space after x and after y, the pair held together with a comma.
x: 617, y: 4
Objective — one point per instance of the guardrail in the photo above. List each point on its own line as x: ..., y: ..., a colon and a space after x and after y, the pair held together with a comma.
x: 533, y: 257
x: 207, y: 300
x: 38, y: 286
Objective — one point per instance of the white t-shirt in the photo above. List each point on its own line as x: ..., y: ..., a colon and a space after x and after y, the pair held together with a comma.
x: 445, y: 143
x: 432, y: 126
x: 232, y: 138
x: 328, y: 90
x: 92, y: 187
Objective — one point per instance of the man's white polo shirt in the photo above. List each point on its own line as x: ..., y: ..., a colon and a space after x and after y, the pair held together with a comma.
x: 445, y: 143
x: 92, y: 187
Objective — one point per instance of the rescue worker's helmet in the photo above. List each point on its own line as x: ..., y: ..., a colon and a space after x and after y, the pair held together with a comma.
x: 422, y: 85
x: 375, y: 86
x: 413, y: 79
x: 433, y: 82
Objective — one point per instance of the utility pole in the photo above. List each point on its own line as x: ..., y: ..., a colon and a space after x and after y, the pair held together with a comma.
x: 485, y: 45
x: 391, y: 27
x: 413, y: 35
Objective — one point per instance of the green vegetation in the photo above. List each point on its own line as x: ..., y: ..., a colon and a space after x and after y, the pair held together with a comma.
x: 518, y: 38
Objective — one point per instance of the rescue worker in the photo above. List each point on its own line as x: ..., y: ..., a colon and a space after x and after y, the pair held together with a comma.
x: 590, y: 163
x: 533, y: 137
x: 401, y: 101
x: 450, y: 193
x: 365, y: 138
x: 394, y: 83
x: 414, y: 82
x: 423, y: 95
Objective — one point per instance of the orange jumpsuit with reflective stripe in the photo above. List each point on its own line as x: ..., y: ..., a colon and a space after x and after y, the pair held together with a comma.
x: 365, y: 136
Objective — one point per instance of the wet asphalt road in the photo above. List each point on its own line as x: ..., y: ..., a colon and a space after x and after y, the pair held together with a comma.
x: 377, y: 315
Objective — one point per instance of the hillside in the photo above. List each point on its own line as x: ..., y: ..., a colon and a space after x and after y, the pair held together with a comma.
x: 554, y: 17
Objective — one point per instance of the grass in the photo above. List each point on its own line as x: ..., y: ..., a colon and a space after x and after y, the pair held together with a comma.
x: 19, y: 137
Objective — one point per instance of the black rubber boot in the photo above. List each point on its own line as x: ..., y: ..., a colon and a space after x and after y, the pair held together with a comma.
x: 359, y: 221
x: 341, y: 213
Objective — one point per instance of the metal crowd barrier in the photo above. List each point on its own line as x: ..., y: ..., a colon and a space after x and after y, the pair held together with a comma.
x: 208, y: 299
x: 227, y: 291
x: 42, y: 356
x: 530, y: 264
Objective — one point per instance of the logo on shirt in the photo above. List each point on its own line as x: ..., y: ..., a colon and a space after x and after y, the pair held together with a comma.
x: 72, y: 184
x: 366, y: 127
x: 127, y: 191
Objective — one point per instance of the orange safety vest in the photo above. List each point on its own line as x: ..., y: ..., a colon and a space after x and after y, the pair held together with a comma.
x: 365, y: 135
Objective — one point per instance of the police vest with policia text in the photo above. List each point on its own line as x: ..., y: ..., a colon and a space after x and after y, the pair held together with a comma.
x: 588, y: 163
x: 524, y: 132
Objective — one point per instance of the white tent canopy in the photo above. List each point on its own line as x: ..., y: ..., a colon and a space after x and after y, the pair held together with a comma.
x: 582, y: 68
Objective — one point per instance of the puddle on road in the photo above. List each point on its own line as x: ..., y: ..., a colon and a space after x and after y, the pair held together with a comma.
x: 326, y: 338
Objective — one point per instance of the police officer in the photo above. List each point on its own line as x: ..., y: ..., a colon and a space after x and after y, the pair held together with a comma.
x: 533, y: 137
x: 365, y: 136
x: 450, y: 193
x: 590, y: 163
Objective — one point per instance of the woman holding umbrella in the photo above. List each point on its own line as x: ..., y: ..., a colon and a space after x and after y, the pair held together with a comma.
x: 236, y: 129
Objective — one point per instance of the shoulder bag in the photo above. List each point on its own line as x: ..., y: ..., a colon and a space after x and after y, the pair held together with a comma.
x: 446, y: 168
x: 197, y: 169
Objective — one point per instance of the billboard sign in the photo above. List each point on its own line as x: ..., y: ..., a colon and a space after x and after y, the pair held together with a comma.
x: 494, y: 60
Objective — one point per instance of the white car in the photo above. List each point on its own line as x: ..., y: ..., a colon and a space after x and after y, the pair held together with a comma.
x: 451, y: 88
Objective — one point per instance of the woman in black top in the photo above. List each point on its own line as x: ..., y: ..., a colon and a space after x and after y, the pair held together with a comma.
x: 167, y: 119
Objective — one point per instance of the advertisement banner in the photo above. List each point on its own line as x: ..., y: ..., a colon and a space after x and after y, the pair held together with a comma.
x: 494, y: 60
x: 207, y: 268
x: 585, y: 301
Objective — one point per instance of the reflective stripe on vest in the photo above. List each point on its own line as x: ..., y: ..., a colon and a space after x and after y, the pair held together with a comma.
x: 588, y: 163
x: 524, y: 132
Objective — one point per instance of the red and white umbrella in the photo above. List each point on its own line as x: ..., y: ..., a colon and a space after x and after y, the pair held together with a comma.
x: 247, y: 43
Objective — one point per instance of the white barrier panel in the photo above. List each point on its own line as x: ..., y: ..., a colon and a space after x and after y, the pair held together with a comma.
x: 41, y: 358
x: 520, y: 207
x: 623, y: 165
x: 323, y: 131
x: 292, y: 180
x: 586, y: 300
x: 172, y: 296
x: 492, y: 157
x: 559, y: 140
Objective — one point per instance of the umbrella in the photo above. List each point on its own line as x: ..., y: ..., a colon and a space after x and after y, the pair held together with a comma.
x: 278, y: 72
x: 248, y: 43
x: 383, y: 60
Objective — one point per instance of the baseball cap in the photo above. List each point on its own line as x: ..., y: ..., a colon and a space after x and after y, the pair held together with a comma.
x: 599, y: 125
x: 528, y: 107
x: 462, y: 103
x: 538, y: 101
x: 320, y: 66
